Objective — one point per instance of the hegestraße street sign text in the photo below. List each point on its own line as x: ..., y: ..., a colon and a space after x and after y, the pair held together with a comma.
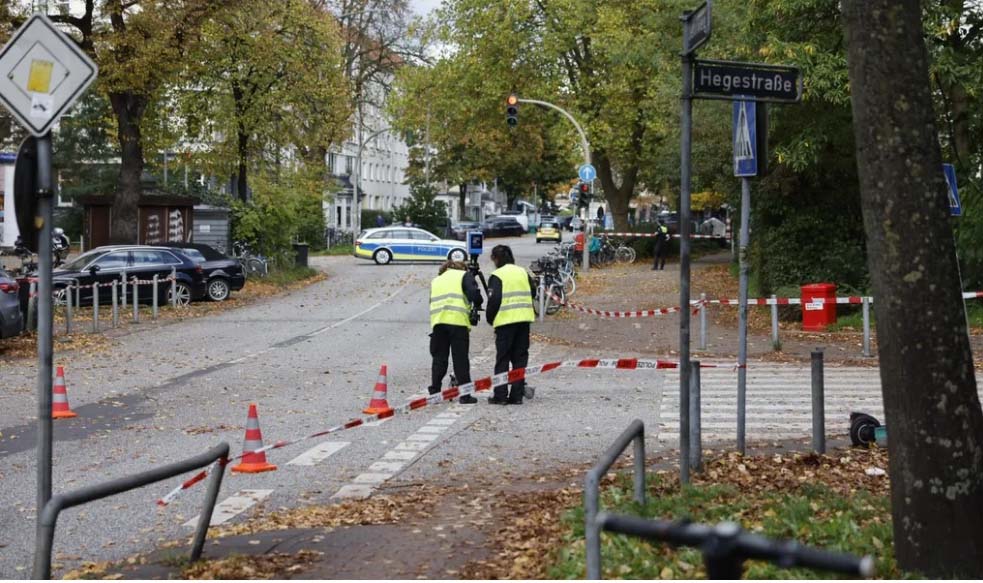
x: 752, y: 81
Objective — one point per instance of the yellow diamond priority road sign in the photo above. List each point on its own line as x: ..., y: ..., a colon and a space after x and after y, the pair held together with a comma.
x: 42, y: 73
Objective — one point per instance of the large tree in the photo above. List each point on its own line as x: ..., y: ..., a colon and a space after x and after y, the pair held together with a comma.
x: 266, y: 78
x: 930, y: 395
x: 139, y: 46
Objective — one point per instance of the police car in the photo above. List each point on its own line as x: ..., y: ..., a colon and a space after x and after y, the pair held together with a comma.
x: 398, y: 243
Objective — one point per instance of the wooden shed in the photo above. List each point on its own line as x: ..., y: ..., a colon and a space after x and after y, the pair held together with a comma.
x: 161, y: 217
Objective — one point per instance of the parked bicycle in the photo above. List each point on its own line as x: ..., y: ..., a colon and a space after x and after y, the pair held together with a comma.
x: 555, y: 297
x: 252, y: 263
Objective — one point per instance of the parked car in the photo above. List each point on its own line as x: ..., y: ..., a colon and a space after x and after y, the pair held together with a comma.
x: 460, y: 230
x: 519, y: 216
x: 502, y: 226
x: 388, y: 244
x: 565, y: 222
x: 11, y: 318
x: 223, y: 274
x: 549, y: 230
x: 105, y: 264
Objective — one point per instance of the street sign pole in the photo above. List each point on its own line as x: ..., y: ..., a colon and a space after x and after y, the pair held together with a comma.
x: 742, y: 312
x: 45, y: 320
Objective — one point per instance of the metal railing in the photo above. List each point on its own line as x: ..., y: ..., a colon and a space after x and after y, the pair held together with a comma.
x: 592, y: 484
x: 726, y: 546
x: 49, y: 515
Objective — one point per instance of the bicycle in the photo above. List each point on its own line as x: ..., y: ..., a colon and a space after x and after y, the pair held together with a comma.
x: 549, y: 284
x: 252, y: 264
x: 623, y: 253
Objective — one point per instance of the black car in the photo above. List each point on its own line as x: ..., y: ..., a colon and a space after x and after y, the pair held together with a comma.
x: 503, y: 226
x: 107, y: 264
x: 460, y: 230
x: 223, y: 274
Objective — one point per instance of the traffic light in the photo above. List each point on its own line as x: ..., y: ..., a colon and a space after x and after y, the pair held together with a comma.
x: 583, y: 194
x: 512, y: 110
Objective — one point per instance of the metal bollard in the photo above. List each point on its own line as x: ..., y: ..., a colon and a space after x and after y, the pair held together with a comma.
x: 32, y: 304
x: 154, y: 312
x: 95, y: 308
x: 136, y: 300
x: 695, y: 430
x: 68, y: 309
x: 174, y: 287
x: 866, y: 310
x: 818, y: 406
x: 703, y: 321
x: 123, y: 281
x: 542, y: 300
x: 115, y: 303
x: 774, y: 322
x: 78, y: 294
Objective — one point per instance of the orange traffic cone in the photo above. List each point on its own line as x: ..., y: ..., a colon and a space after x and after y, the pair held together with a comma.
x: 379, y: 404
x: 59, y: 398
x: 253, y: 463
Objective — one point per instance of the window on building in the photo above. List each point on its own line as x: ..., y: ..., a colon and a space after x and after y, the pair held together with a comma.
x: 332, y: 163
x: 349, y: 162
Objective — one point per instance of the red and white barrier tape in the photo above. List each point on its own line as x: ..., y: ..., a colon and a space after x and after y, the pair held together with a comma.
x: 676, y: 236
x: 621, y: 314
x: 449, y: 394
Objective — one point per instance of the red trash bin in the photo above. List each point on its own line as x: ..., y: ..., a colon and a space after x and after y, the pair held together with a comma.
x: 817, y: 315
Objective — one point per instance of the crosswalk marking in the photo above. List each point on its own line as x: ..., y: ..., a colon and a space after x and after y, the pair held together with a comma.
x: 779, y: 401
x: 318, y: 453
x: 233, y: 506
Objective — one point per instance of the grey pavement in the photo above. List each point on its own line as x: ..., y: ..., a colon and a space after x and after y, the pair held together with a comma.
x: 309, y: 360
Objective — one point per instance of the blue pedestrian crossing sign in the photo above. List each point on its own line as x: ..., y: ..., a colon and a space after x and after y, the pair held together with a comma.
x: 745, y: 139
x: 955, y: 206
x: 587, y: 172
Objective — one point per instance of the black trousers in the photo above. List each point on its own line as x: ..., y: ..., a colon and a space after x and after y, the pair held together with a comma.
x: 511, y: 348
x: 456, y: 340
x: 661, y: 250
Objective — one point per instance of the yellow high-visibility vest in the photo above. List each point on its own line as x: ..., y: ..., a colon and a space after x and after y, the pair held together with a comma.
x: 448, y: 305
x: 516, y: 296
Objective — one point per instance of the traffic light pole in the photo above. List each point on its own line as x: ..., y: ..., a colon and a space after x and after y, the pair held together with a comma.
x: 585, y: 145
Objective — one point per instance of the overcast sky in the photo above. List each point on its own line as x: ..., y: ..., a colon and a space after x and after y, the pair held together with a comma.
x: 423, y: 7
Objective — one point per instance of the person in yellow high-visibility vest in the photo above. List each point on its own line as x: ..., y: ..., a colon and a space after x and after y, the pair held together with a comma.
x: 511, y: 292
x: 453, y: 293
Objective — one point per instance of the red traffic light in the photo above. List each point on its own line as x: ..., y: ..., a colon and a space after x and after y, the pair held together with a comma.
x: 512, y: 100
x: 584, y: 187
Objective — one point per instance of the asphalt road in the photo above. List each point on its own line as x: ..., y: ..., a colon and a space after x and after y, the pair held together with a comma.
x: 309, y: 360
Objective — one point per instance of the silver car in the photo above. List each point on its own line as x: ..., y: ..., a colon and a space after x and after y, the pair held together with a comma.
x: 11, y: 319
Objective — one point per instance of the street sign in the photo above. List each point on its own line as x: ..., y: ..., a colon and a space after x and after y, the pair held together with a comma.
x: 696, y: 28
x: 752, y: 81
x: 745, y: 138
x: 587, y: 172
x: 26, y: 193
x: 42, y: 73
x: 955, y: 206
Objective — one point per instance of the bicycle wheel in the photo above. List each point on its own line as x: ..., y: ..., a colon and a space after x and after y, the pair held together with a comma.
x: 255, y: 266
x: 625, y: 255
x: 555, y: 292
x: 568, y: 282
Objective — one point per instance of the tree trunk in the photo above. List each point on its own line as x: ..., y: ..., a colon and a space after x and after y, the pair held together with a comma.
x: 930, y: 401
x: 618, y: 197
x: 463, y: 202
x: 242, y: 185
x: 129, y: 110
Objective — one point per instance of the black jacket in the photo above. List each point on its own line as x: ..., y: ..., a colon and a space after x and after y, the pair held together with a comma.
x: 471, y: 290
x: 495, y: 296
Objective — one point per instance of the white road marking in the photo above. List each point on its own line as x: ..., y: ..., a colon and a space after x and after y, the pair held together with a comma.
x: 233, y: 506
x: 411, y: 446
x: 318, y: 453
x: 391, y: 467
x: 442, y: 421
x: 432, y: 429
x: 399, y: 455
x: 353, y: 491
x: 371, y: 478
x: 422, y: 437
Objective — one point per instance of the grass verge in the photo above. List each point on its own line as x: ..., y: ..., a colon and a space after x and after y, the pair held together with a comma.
x: 336, y: 250
x: 822, y: 501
